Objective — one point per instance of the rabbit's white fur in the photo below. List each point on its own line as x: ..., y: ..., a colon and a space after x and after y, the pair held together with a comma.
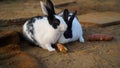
x: 44, y: 34
x: 43, y: 8
x: 76, y: 31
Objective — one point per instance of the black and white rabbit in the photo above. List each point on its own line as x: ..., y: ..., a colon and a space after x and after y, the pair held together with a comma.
x: 45, y: 30
x: 74, y: 30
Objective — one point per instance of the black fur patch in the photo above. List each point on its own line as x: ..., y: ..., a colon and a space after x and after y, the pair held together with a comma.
x: 54, y: 46
x: 54, y: 23
x: 31, y: 28
x: 31, y: 31
x: 68, y: 34
x: 32, y: 20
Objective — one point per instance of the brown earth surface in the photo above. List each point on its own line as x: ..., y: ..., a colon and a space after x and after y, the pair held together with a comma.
x: 102, y: 19
x: 10, y: 54
x: 15, y: 52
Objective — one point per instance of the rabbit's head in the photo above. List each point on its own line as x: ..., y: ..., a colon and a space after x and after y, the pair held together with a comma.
x: 54, y: 20
x: 68, y: 18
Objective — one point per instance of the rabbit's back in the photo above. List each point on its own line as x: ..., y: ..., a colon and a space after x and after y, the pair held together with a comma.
x: 76, y: 29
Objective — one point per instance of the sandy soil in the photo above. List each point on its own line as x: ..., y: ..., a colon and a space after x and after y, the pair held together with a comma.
x: 97, y: 54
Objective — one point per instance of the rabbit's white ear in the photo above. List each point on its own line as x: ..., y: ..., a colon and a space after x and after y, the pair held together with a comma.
x: 44, y: 10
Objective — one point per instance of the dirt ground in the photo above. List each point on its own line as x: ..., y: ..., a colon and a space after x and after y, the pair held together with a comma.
x: 91, y: 54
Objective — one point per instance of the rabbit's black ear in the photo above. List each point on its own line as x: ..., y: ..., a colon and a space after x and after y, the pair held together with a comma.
x: 65, y: 15
x: 50, y: 5
x: 71, y: 19
x: 50, y: 15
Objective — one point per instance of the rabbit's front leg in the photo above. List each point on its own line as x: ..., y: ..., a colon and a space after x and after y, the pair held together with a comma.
x: 49, y: 47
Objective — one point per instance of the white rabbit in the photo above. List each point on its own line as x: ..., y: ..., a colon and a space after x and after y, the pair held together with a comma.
x: 45, y: 30
x: 74, y: 30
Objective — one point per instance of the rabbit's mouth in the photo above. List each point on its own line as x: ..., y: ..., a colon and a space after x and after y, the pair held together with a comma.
x: 63, y: 28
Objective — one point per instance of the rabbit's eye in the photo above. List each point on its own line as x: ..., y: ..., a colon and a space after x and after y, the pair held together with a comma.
x: 56, y: 21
